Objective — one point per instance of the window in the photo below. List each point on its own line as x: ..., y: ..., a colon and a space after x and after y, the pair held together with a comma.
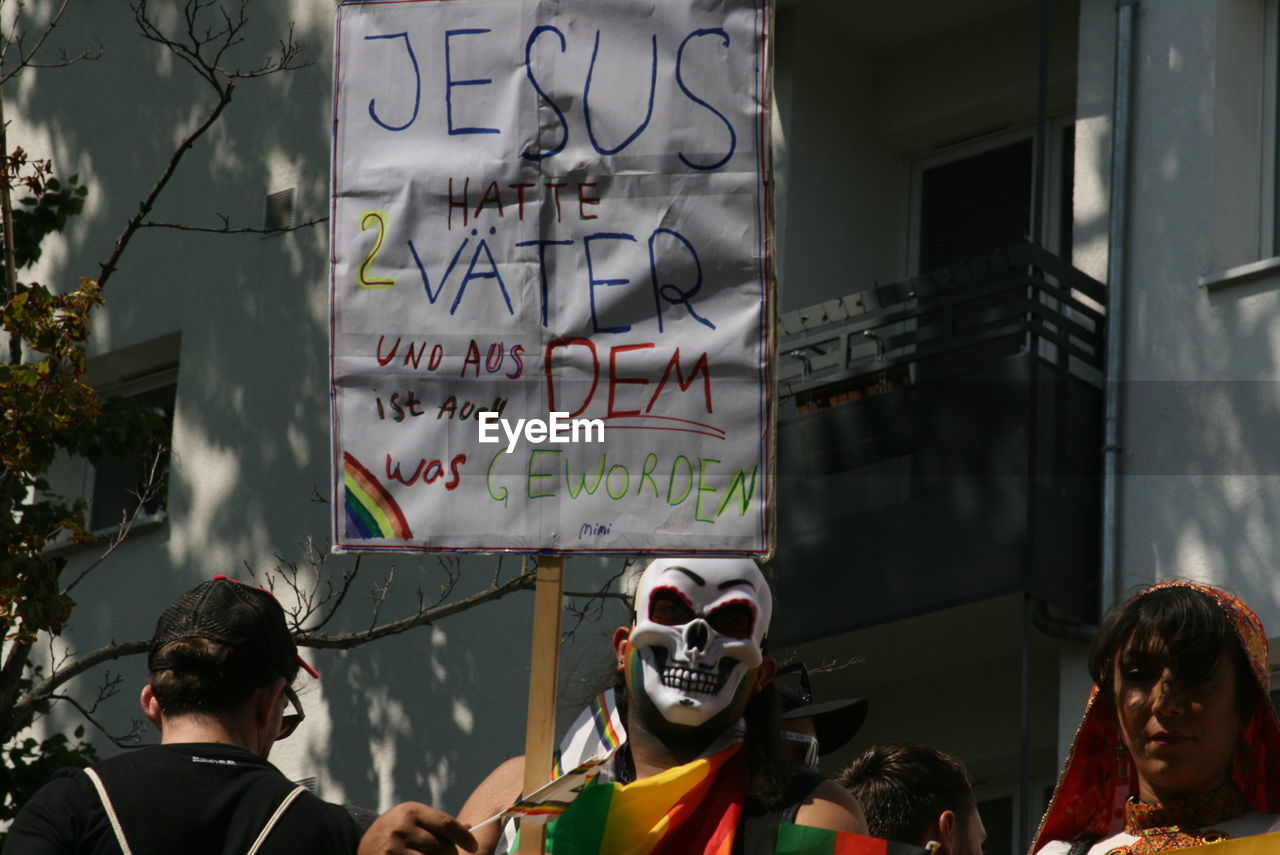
x: 975, y: 197
x: 975, y: 205
x: 1244, y: 232
x: 121, y: 482
x: 145, y: 374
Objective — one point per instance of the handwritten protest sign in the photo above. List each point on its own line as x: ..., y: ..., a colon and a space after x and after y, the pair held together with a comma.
x: 550, y: 299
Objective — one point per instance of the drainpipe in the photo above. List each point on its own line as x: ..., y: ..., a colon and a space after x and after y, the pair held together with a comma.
x: 1042, y: 126
x: 1117, y: 250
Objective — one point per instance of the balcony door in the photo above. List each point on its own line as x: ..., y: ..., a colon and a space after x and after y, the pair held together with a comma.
x: 974, y: 205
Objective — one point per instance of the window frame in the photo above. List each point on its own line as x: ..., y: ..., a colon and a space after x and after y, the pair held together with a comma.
x: 135, y: 385
x: 980, y: 144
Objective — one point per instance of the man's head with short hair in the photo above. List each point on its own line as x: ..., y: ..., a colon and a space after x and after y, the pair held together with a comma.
x: 216, y: 648
x: 913, y: 794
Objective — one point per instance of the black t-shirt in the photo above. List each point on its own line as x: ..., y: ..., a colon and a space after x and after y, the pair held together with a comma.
x: 196, y: 799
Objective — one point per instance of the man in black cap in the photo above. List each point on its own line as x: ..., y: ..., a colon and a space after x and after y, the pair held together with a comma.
x: 221, y: 664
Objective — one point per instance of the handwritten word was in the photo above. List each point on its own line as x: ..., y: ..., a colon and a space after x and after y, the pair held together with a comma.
x: 426, y: 471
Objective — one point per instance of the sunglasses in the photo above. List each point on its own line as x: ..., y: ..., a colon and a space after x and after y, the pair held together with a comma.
x: 289, y: 721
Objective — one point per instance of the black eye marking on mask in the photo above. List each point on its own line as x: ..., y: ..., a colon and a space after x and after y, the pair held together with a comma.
x: 697, y: 580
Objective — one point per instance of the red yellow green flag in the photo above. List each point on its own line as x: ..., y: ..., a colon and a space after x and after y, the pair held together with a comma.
x: 692, y: 809
x: 804, y: 840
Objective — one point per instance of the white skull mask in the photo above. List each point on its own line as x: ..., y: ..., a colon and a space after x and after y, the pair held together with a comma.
x: 699, y: 627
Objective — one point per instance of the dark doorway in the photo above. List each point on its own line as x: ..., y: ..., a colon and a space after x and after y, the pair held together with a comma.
x: 972, y: 206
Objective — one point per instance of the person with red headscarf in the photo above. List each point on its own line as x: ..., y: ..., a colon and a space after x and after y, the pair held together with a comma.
x: 1180, y: 745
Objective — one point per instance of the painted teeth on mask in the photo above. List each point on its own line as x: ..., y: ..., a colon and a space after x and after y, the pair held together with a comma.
x: 684, y: 680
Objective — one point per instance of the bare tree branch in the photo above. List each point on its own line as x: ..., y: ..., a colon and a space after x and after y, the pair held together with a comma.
x: 307, y: 595
x: 593, y: 608
x: 228, y: 229
x: 148, y: 490
x: 334, y: 599
x: 26, y: 58
x: 130, y: 739
x: 144, y: 207
x: 194, y: 49
x: 827, y: 666
x: 45, y: 689
x: 522, y: 582
x: 380, y: 594
x: 601, y: 595
x: 63, y: 61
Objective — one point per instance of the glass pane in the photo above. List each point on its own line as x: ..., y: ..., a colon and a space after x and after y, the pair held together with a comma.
x: 118, y: 481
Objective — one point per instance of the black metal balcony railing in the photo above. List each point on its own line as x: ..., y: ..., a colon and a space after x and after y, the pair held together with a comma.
x: 1022, y: 291
x: 939, y: 443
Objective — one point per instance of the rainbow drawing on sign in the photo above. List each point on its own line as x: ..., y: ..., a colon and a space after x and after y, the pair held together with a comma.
x: 371, y: 512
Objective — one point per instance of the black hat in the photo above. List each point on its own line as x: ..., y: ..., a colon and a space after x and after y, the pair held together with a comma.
x: 246, y: 619
x: 834, y: 722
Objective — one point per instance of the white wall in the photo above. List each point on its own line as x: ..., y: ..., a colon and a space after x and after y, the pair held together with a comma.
x: 1199, y: 489
x: 846, y: 193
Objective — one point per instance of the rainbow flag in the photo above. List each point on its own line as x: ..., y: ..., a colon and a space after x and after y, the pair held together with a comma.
x: 692, y: 809
x: 549, y: 801
x: 597, y: 732
x: 804, y: 840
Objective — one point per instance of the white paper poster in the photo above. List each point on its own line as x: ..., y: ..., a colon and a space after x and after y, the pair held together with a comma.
x: 550, y: 297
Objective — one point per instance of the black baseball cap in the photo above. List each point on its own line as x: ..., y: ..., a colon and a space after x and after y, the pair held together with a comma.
x: 246, y: 619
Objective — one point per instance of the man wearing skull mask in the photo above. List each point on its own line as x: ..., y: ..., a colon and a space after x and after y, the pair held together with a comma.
x: 693, y: 682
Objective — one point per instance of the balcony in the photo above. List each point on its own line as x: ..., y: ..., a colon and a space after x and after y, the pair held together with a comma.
x: 939, y: 443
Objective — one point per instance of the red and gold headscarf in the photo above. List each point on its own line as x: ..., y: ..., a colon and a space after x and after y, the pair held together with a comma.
x: 1098, y: 766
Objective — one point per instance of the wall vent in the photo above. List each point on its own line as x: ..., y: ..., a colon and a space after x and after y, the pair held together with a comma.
x: 279, y: 210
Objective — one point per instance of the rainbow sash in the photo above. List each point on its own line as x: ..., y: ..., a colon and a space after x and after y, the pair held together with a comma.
x: 692, y: 809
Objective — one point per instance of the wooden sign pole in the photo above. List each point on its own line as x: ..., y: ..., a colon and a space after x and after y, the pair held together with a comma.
x: 544, y: 671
